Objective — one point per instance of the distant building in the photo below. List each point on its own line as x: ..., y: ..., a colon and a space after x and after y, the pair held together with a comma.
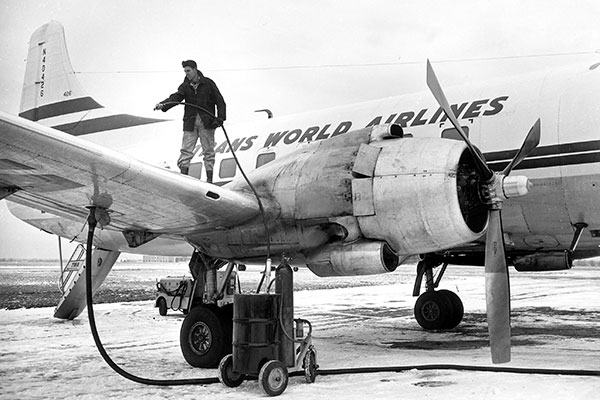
x: 164, y: 259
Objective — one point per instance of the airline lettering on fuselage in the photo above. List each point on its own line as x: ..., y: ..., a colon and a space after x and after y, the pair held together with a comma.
x: 469, y: 110
x: 474, y: 109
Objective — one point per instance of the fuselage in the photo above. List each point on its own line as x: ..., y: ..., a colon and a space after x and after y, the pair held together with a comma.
x: 565, y: 168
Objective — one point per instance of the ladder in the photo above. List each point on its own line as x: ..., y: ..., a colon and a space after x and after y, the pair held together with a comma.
x: 72, y: 280
x: 68, y: 274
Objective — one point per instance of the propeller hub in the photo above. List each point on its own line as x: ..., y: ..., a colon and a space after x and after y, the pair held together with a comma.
x: 515, y: 186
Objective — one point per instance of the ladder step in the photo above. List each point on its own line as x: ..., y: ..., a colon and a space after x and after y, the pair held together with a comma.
x: 73, y: 301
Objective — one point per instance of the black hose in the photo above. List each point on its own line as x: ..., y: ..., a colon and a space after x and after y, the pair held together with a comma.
x: 455, y: 367
x: 341, y: 371
x: 89, y: 299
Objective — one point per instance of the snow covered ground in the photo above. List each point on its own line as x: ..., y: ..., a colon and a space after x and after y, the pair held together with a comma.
x: 555, y: 325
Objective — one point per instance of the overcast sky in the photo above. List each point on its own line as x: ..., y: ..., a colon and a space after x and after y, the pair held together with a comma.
x: 289, y: 56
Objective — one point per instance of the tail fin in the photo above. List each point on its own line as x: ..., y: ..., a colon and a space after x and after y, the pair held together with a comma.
x: 53, y: 96
x: 51, y: 88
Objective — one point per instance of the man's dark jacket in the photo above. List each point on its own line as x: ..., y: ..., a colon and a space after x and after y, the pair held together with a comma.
x: 206, y: 95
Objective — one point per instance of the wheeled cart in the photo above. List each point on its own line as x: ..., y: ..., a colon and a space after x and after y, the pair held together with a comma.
x: 268, y: 342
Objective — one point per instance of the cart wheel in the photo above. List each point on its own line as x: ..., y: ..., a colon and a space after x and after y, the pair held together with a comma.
x: 226, y: 374
x: 162, y: 306
x: 310, y: 366
x: 273, y: 378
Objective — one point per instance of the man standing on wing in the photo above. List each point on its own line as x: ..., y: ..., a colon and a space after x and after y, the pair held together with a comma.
x: 198, y: 90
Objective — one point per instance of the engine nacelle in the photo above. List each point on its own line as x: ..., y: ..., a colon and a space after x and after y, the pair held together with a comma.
x: 358, y: 258
x: 423, y: 196
x: 551, y: 261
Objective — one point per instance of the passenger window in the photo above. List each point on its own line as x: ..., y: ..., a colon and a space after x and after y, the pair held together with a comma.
x: 264, y: 158
x: 228, y: 168
x: 195, y: 170
x: 452, y: 133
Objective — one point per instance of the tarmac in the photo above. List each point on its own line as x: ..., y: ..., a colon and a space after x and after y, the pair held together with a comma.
x: 554, y: 326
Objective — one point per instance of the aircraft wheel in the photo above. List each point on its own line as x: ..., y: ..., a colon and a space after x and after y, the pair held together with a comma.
x: 226, y: 374
x: 458, y: 310
x: 202, y: 338
x: 433, y: 310
x: 273, y: 378
x: 310, y: 366
x: 162, y: 306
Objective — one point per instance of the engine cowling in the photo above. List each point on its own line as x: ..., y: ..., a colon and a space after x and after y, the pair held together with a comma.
x: 418, y: 195
x: 423, y: 196
x: 358, y: 258
x: 551, y: 261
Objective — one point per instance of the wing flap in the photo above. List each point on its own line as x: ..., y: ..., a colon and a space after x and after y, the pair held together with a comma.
x: 59, y: 173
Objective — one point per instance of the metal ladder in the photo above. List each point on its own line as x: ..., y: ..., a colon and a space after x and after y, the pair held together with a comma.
x: 72, y: 280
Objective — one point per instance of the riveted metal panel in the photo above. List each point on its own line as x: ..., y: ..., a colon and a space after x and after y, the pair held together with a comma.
x: 362, y: 197
x: 366, y: 159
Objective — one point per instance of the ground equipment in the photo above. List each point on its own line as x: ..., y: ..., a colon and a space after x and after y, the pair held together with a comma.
x: 175, y: 293
x: 267, y: 341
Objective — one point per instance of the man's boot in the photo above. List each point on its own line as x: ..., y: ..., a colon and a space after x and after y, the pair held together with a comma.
x: 209, y: 175
x: 184, y: 170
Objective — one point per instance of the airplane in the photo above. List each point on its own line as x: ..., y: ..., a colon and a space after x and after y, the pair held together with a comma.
x: 352, y: 190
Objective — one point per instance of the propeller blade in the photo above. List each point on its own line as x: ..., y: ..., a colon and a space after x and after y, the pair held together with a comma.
x: 530, y: 143
x: 497, y: 290
x: 440, y: 97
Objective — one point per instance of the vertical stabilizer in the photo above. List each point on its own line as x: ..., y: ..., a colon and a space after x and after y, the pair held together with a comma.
x: 51, y: 88
x: 53, y: 96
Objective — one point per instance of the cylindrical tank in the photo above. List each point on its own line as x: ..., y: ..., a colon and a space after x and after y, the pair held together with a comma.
x: 255, y: 328
x: 284, y: 287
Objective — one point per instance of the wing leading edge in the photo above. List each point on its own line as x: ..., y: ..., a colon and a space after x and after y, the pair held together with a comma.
x: 58, y: 173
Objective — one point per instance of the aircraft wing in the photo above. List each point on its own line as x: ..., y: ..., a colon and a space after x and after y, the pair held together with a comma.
x: 55, y: 172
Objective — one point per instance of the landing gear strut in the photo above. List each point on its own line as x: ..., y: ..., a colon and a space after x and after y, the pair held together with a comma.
x: 440, y: 309
x: 205, y: 335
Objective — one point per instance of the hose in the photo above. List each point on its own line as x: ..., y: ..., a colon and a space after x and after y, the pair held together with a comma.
x: 90, y: 305
x: 455, y: 367
x: 340, y: 371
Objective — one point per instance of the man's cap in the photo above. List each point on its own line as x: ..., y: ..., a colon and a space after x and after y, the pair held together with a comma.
x: 189, y: 63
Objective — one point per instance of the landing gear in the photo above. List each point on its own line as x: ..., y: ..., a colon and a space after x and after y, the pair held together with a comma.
x: 205, y: 336
x: 432, y: 310
x: 458, y: 310
x: 435, y: 310
x: 206, y: 332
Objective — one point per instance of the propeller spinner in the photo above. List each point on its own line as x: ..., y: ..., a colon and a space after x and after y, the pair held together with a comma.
x: 497, y: 187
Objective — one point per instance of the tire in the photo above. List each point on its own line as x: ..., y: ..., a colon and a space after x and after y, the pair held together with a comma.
x: 226, y: 374
x: 458, y: 310
x: 273, y: 378
x: 202, y: 338
x: 310, y: 366
x: 162, y: 306
x: 433, y: 310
